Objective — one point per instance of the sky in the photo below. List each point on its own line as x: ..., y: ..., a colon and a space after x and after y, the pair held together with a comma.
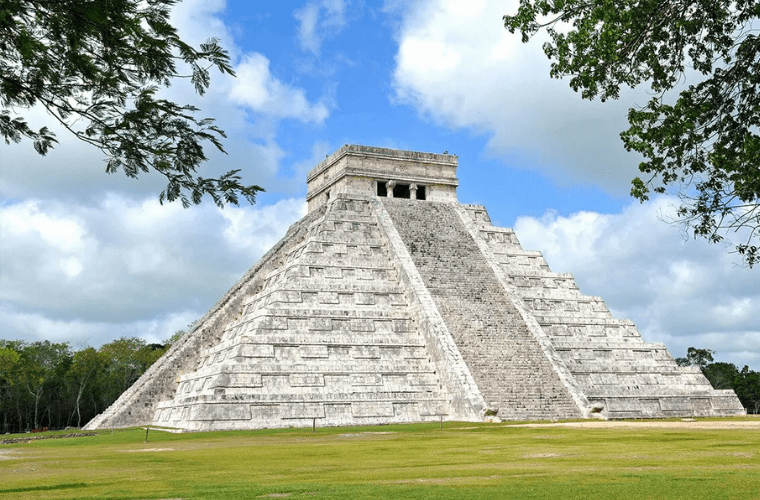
x: 87, y: 257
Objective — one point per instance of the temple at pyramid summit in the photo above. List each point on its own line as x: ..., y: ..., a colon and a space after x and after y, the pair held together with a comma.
x: 392, y: 302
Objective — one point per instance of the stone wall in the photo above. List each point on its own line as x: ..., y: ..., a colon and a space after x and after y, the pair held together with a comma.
x: 505, y: 360
x: 466, y: 401
x: 138, y: 404
x: 329, y: 339
x: 354, y: 169
x: 383, y: 310
x: 608, y: 360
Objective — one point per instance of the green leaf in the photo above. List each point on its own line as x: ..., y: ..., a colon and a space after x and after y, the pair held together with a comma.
x: 101, y: 63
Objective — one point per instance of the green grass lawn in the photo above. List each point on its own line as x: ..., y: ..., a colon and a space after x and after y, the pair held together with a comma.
x: 462, y: 460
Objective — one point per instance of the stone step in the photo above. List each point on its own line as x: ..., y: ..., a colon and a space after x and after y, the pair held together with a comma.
x: 342, y: 367
x: 309, y: 398
x: 603, y: 343
x: 319, y: 338
x: 290, y: 296
x: 579, y: 320
x: 652, y: 391
x: 505, y: 360
x: 308, y: 349
x: 620, y: 367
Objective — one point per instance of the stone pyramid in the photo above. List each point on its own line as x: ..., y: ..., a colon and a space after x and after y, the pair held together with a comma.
x: 392, y: 302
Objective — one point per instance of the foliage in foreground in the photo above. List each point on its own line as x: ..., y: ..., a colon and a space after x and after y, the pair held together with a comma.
x: 46, y: 384
x: 705, y: 146
x: 97, y: 67
x: 462, y: 460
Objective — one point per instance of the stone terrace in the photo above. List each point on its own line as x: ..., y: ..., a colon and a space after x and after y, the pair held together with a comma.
x: 374, y: 309
x: 508, y: 365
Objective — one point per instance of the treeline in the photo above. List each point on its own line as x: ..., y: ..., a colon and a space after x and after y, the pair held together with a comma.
x: 744, y: 382
x: 46, y: 384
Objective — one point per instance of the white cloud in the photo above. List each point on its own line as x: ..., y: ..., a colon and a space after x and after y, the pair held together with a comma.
x: 319, y: 151
x: 681, y: 292
x: 256, y: 89
x: 256, y: 230
x: 459, y: 66
x: 32, y: 327
x: 89, y: 257
x: 250, y: 106
x: 75, y: 171
x: 48, y: 245
x: 125, y: 261
x: 319, y: 20
x: 66, y: 235
x: 197, y: 21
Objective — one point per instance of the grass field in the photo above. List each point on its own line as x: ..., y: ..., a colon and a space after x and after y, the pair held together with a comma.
x: 462, y: 460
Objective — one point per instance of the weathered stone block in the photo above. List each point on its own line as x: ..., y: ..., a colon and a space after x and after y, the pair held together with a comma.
x: 256, y: 351
x: 365, y: 352
x: 313, y: 351
x: 307, y: 380
x: 372, y: 409
x: 302, y: 410
x: 220, y: 411
x: 364, y: 379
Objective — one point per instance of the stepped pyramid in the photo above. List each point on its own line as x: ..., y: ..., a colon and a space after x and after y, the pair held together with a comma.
x: 392, y: 302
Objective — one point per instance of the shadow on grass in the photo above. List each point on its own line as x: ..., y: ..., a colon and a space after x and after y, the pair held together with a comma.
x: 45, y: 488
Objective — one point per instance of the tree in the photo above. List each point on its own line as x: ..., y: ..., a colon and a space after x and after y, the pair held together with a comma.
x: 745, y: 383
x: 126, y: 359
x: 747, y: 387
x: 46, y: 384
x: 10, y: 361
x: 96, y: 66
x: 696, y: 357
x: 721, y: 375
x: 83, y: 373
x: 42, y: 365
x: 705, y: 146
x: 177, y: 335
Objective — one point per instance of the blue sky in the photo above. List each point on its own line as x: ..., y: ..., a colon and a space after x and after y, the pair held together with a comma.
x: 86, y: 257
x: 349, y: 62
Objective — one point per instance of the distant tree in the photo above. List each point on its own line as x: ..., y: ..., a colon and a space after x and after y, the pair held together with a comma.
x: 149, y: 354
x: 696, y: 357
x: 42, y: 364
x: 96, y: 66
x: 175, y: 337
x: 745, y: 383
x: 123, y: 365
x: 126, y: 359
x: 44, y: 384
x: 747, y: 388
x: 721, y: 375
x: 83, y: 374
x: 705, y: 146
x: 10, y: 362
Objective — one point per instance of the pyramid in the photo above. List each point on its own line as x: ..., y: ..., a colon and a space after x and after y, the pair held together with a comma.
x: 391, y: 302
